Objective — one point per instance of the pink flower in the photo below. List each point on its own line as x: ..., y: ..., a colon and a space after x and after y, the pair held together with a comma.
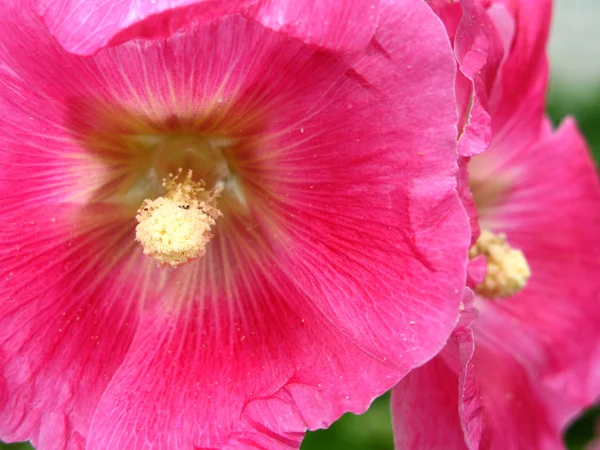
x: 322, y: 259
x: 531, y: 359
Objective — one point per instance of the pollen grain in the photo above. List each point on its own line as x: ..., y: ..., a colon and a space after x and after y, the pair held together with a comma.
x: 176, y: 228
x: 507, y: 269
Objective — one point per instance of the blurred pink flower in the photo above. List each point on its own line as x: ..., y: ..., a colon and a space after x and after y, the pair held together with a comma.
x: 531, y: 361
x: 338, y: 261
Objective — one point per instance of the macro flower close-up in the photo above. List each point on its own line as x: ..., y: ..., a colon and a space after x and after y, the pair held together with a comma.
x: 525, y: 358
x: 224, y: 223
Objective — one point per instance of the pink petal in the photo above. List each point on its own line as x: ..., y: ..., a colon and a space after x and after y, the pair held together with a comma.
x: 350, y: 198
x: 254, y: 379
x: 513, y: 413
x: 347, y: 25
x: 474, y: 397
x: 481, y: 38
x: 517, y: 104
x: 552, y: 213
x: 426, y: 410
x: 466, y: 196
x: 86, y: 26
x: 479, y: 52
x: 68, y: 293
x: 69, y: 311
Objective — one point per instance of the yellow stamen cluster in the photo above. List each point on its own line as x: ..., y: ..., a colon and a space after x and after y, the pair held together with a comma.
x: 507, y: 269
x: 175, y: 229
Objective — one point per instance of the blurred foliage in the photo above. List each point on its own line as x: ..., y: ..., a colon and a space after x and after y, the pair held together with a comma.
x: 587, y: 113
x: 20, y: 446
x: 370, y: 431
x: 583, y: 430
x: 373, y: 430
